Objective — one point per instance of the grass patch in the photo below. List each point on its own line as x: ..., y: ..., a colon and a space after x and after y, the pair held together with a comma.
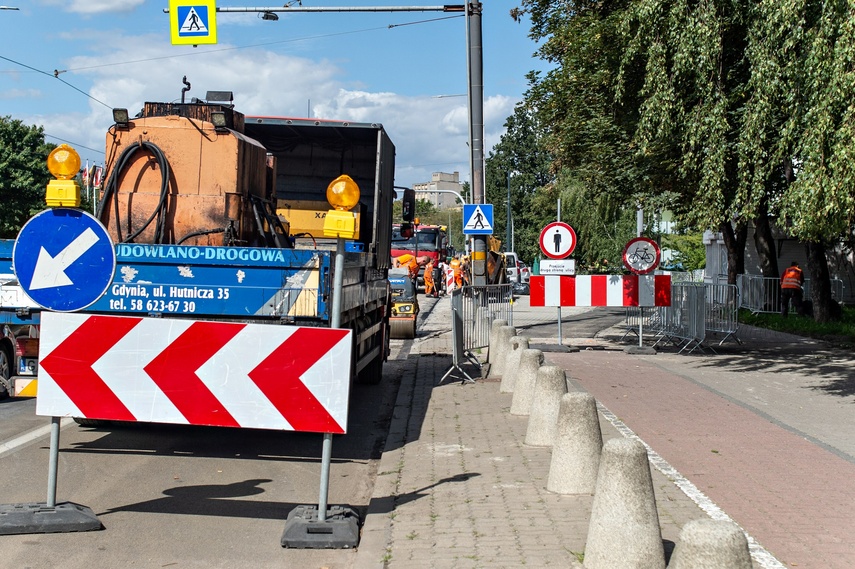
x: 840, y: 331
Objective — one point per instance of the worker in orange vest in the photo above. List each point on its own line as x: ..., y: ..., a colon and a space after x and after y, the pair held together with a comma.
x: 792, y: 282
x: 430, y: 285
x: 410, y: 263
x: 458, y: 272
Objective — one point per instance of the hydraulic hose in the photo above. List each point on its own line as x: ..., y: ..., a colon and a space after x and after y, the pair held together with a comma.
x: 111, y: 191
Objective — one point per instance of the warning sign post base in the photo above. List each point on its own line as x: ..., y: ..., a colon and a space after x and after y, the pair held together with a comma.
x: 38, y: 517
x: 303, y: 530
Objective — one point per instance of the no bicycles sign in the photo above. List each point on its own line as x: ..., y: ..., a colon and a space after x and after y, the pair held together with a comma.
x: 641, y: 255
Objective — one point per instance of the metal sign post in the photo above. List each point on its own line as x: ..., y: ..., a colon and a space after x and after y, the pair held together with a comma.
x: 557, y: 241
x: 641, y: 256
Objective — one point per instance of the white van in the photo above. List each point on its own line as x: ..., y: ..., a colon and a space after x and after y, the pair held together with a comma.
x: 512, y: 267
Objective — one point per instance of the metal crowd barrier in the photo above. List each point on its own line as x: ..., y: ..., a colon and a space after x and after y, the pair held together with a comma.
x: 763, y: 294
x: 721, y: 316
x: 697, y: 312
x: 482, y: 305
x: 682, y: 323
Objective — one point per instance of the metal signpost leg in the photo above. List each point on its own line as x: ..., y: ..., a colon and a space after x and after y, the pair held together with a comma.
x: 335, y: 322
x: 326, y: 458
x: 53, y: 462
x: 640, y: 326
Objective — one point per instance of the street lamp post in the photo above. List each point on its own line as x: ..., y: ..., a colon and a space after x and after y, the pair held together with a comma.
x: 508, y: 231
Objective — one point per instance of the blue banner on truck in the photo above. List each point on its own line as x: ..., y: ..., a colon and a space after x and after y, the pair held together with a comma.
x: 218, y: 281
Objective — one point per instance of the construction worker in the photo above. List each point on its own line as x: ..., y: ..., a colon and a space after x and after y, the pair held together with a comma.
x: 430, y: 284
x: 439, y: 276
x: 465, y: 268
x: 458, y: 272
x: 792, y: 282
x: 409, y: 262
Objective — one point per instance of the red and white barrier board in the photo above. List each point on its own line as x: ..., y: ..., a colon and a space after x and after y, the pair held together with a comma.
x: 600, y: 290
x: 194, y: 372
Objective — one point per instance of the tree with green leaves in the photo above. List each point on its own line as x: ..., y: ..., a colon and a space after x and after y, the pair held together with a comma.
x: 23, y: 174
x: 695, y: 73
x: 596, y: 168
x: 799, y: 124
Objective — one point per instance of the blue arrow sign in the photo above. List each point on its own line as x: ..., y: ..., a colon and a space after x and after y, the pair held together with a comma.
x: 64, y: 259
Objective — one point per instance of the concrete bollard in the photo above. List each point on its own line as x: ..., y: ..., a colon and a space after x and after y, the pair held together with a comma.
x: 624, y: 528
x: 578, y: 444
x: 503, y: 344
x: 512, y: 363
x: 710, y: 544
x: 549, y: 386
x: 530, y: 362
x: 494, y: 338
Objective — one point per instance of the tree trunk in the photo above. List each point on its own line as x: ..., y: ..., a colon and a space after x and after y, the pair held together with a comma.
x: 766, y: 254
x: 825, y: 309
x: 734, y: 241
x: 765, y: 245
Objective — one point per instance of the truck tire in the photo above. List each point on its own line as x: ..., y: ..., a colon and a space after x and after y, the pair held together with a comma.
x: 5, y: 371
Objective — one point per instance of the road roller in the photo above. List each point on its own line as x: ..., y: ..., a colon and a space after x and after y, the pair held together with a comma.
x: 405, y: 305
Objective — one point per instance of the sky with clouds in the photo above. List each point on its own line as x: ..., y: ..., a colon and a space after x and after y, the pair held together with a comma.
x: 65, y: 64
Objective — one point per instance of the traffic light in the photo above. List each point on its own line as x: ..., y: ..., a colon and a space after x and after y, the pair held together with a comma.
x: 408, y: 204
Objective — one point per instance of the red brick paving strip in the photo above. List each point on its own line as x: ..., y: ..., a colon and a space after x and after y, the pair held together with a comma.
x: 794, y: 497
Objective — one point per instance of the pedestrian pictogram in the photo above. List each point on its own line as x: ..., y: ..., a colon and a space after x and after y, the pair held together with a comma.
x: 641, y: 255
x: 557, y: 240
x: 478, y: 219
x: 64, y: 259
x: 193, y: 22
x: 194, y: 372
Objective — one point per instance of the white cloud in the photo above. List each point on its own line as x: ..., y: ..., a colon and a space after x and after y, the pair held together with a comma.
x: 9, y: 94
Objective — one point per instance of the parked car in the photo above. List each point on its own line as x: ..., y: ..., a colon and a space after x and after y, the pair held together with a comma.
x: 512, y: 267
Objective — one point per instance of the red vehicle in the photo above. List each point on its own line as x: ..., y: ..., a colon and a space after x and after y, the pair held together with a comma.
x: 426, y: 240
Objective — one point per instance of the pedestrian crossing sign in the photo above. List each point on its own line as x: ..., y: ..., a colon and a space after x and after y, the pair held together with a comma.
x: 193, y: 22
x: 478, y: 219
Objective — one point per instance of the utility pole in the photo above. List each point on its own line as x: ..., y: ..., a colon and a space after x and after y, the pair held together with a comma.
x: 476, y: 133
x: 509, y: 242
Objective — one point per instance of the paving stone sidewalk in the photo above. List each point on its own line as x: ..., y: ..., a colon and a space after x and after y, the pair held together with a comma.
x: 458, y: 488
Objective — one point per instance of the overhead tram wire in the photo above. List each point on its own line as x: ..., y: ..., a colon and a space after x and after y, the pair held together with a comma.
x: 424, y: 21
x: 55, y: 75
x: 74, y: 144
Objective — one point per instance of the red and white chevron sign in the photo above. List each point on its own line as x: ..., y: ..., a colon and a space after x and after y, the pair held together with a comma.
x: 164, y: 370
x: 600, y: 290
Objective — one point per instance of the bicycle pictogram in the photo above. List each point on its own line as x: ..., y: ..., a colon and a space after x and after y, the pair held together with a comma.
x: 641, y: 256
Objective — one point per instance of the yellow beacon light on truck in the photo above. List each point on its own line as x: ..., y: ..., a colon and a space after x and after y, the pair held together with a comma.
x: 64, y: 163
x: 343, y: 195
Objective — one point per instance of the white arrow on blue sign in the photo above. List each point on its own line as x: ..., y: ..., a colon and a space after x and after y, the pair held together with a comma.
x: 64, y: 259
